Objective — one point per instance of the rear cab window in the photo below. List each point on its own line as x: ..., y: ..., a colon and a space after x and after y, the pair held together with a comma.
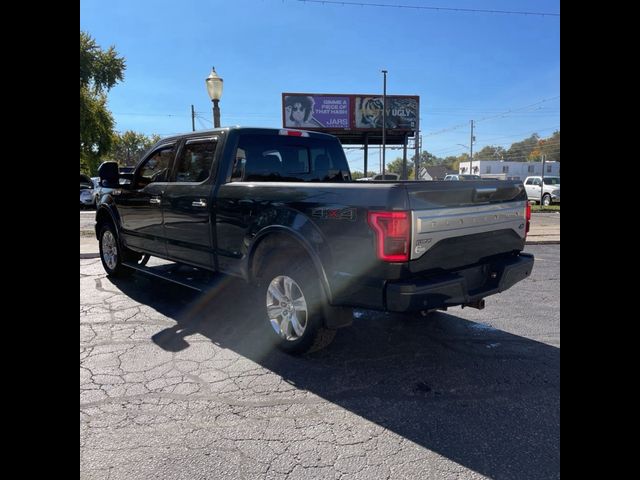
x: 280, y: 158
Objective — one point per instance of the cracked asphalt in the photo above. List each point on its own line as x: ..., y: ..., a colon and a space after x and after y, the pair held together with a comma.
x: 179, y: 385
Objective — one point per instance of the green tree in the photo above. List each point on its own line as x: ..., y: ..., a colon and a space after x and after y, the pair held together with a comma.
x: 396, y: 167
x: 463, y: 157
x: 100, y: 70
x: 451, y: 162
x: 129, y: 147
x: 521, y: 151
x: 491, y: 153
x: 427, y: 159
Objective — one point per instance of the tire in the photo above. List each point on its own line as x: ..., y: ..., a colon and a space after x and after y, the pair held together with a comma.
x: 546, y: 200
x: 112, y: 253
x: 293, y: 306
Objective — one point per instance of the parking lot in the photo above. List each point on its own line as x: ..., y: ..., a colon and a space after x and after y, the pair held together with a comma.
x: 175, y: 384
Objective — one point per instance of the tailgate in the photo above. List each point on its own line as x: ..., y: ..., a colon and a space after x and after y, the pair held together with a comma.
x: 455, y: 224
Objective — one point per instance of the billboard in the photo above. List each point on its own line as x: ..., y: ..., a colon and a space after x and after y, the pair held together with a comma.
x: 316, y: 111
x: 402, y: 112
x: 331, y: 112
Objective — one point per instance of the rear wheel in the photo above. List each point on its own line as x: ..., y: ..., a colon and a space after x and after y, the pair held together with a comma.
x: 546, y: 200
x: 293, y: 305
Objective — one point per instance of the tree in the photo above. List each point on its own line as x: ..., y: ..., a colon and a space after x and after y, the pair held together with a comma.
x: 427, y: 159
x: 396, y: 167
x: 451, y: 162
x: 550, y: 147
x: 129, y: 147
x: 100, y: 70
x: 521, y: 151
x: 490, y: 153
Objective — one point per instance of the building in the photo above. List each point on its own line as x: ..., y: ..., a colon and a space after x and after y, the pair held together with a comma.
x: 510, y: 170
x: 437, y: 172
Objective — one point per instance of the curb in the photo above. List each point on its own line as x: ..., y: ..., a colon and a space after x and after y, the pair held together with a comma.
x: 89, y: 255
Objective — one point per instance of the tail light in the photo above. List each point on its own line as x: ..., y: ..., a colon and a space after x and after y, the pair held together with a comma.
x: 527, y: 215
x: 293, y: 133
x: 393, y: 235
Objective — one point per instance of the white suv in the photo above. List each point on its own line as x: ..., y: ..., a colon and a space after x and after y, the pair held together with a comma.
x: 551, y: 192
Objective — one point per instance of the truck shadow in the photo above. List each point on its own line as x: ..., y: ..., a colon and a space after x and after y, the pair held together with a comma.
x: 483, y: 398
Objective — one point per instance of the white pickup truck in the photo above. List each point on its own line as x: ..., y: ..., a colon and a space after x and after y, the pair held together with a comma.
x: 551, y: 192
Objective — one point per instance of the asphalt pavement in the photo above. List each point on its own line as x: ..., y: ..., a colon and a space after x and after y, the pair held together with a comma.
x: 179, y: 385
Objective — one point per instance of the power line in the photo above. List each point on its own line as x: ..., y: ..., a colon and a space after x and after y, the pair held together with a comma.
x: 503, y: 114
x: 547, y: 142
x: 153, y: 114
x: 449, y: 9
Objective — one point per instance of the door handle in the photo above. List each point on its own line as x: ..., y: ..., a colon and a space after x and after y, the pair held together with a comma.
x: 199, y: 203
x: 155, y: 200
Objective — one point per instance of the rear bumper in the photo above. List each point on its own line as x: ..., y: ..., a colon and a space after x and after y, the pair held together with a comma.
x: 459, y: 287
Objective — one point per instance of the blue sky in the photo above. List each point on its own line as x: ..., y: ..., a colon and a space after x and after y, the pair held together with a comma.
x: 462, y: 65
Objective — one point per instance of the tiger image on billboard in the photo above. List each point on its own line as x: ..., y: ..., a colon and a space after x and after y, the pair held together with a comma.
x: 369, y: 112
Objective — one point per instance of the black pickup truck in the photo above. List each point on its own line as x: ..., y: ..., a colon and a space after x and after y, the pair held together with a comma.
x: 279, y: 209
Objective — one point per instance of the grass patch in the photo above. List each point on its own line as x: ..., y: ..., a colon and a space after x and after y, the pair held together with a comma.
x: 542, y: 209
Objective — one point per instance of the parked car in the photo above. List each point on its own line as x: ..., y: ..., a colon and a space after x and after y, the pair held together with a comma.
x: 456, y: 177
x: 278, y: 208
x: 551, y: 193
x: 86, y: 191
x: 387, y: 176
x: 380, y: 177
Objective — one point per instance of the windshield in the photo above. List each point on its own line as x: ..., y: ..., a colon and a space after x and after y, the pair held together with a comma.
x: 552, y: 180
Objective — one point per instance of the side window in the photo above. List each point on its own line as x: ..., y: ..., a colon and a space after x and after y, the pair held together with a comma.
x: 505, y: 169
x: 529, y: 181
x: 537, y: 182
x: 488, y: 169
x: 156, y: 167
x: 195, y: 162
x: 548, y: 168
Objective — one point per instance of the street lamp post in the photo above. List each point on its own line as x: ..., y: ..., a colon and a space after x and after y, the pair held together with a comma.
x: 384, y: 120
x: 214, y: 88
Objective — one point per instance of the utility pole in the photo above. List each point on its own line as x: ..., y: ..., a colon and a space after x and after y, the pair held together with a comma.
x: 366, y: 153
x: 542, y: 184
x: 193, y: 119
x: 404, y: 157
x: 471, y: 151
x: 384, y: 120
x: 418, y: 139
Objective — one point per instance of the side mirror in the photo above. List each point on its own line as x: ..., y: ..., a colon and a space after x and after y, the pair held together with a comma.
x: 109, y: 175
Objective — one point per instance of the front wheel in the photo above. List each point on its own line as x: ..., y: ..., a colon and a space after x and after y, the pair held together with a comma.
x: 294, y: 301
x: 111, y: 252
